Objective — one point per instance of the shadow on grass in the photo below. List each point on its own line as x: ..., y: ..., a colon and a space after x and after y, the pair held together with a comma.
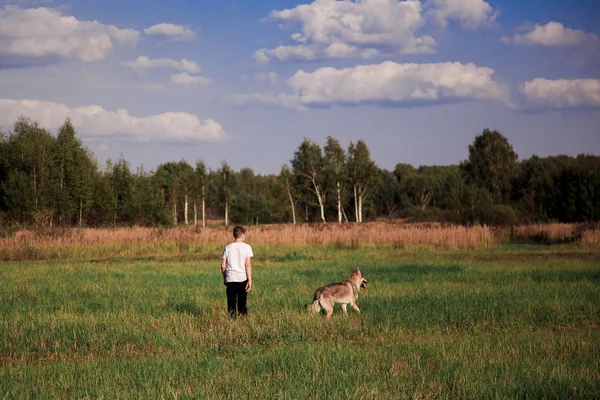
x: 541, y: 276
x: 390, y: 274
x: 185, y: 307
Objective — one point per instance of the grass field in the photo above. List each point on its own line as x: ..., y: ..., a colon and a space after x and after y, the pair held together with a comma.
x: 508, y: 322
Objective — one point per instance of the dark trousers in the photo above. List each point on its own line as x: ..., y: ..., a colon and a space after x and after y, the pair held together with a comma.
x: 236, y: 293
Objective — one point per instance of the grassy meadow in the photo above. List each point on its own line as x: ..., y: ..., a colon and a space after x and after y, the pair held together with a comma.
x: 438, y: 321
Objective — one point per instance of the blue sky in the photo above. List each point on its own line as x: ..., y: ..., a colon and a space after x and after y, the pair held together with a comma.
x: 245, y: 81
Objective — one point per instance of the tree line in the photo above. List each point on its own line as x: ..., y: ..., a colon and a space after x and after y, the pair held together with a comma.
x: 52, y: 180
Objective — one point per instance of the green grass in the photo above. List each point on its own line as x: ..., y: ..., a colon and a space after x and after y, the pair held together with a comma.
x: 508, y: 323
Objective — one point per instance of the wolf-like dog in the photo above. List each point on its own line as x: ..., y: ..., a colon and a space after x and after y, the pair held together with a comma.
x: 344, y: 292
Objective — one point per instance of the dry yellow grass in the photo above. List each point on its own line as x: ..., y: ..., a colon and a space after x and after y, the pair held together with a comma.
x: 591, y: 238
x: 93, y: 243
x: 434, y: 235
x: 551, y: 233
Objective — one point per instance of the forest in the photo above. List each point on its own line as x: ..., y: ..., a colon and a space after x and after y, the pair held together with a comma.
x: 54, y: 180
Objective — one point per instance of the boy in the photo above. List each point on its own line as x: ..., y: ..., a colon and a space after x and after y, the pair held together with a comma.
x: 236, y: 267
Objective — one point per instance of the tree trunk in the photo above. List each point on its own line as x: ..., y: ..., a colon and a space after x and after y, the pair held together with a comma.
x: 185, y: 210
x: 203, y: 209
x: 360, y: 204
x: 339, y: 201
x: 287, y: 182
x: 195, y: 213
x: 320, y: 199
x: 175, y: 213
x: 35, y: 184
x: 226, y: 211
x: 356, y: 204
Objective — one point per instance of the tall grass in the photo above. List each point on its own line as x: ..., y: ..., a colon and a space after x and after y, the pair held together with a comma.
x: 548, y: 233
x: 99, y: 243
x: 139, y: 242
x: 557, y: 233
x: 520, y: 327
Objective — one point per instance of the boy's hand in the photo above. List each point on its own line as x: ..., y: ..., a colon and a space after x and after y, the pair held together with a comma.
x: 248, y: 286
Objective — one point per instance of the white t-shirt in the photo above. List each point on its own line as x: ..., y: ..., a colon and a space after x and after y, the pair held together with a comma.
x: 236, y: 254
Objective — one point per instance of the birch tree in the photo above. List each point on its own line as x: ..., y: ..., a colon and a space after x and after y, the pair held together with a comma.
x: 362, y: 173
x: 227, y: 183
x: 335, y: 171
x: 166, y: 175
x: 285, y: 176
x: 184, y: 178
x: 200, y: 176
x: 83, y: 181
x: 308, y: 165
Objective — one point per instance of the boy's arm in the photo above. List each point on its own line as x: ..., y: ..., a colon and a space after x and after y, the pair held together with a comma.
x: 223, y: 267
x: 249, y: 273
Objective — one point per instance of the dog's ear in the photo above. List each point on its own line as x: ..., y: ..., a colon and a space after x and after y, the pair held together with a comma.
x: 358, y: 271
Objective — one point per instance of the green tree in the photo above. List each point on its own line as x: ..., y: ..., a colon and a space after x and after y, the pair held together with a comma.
x: 363, y: 175
x: 227, y: 178
x: 335, y: 171
x: 148, y: 202
x: 4, y: 168
x: 121, y: 183
x: 308, y: 165
x: 286, y: 179
x: 200, y: 182
x: 27, y: 187
x: 75, y: 168
x: 532, y: 189
x: 389, y: 197
x: 166, y: 180
x: 492, y: 165
x: 184, y: 181
x: 101, y: 210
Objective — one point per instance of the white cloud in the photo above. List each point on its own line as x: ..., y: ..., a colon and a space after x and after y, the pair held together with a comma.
x: 283, y: 100
x: 389, y: 82
x: 127, y: 37
x: 554, y: 34
x: 470, y: 13
x: 96, y: 122
x: 184, y: 78
x: 271, y: 78
x: 44, y: 32
x: 144, y: 63
x: 399, y: 83
x: 173, y: 32
x: 542, y: 93
x: 282, y: 53
x: 361, y: 28
x: 313, y: 52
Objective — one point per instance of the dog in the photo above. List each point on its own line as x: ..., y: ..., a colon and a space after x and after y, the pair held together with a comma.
x: 344, y: 292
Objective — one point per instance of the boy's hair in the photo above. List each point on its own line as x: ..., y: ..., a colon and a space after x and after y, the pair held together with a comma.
x: 238, y: 231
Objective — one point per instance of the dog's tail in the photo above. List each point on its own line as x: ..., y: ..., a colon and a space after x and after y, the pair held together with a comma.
x: 314, y: 306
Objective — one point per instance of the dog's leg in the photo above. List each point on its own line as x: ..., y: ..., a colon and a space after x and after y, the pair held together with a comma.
x: 328, y: 313
x: 327, y: 305
x: 345, y: 308
x: 355, y: 307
